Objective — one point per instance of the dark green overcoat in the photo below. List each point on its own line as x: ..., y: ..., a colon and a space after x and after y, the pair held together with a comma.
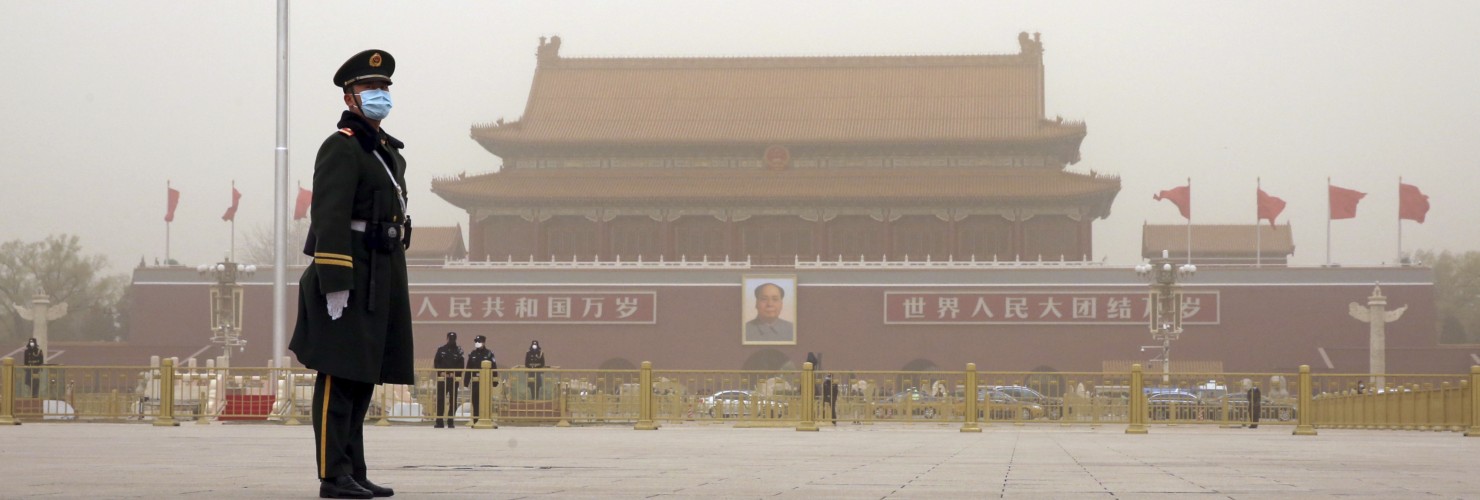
x: 365, y: 345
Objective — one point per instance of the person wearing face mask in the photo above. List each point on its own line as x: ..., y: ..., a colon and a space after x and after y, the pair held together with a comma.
x: 475, y: 363
x: 535, y: 358
x: 34, y: 357
x: 354, y: 310
x: 449, y: 357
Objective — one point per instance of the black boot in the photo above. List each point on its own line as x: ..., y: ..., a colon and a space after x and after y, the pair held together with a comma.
x: 342, y: 487
x: 439, y: 423
x: 375, y: 489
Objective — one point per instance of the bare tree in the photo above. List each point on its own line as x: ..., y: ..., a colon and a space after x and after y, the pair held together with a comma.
x: 1457, y: 291
x: 57, y: 267
x: 259, y: 246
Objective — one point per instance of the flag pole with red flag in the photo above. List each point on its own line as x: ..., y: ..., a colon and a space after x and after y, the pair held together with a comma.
x: 1342, y: 205
x: 1267, y: 207
x: 305, y: 200
x: 172, y: 199
x: 1412, y: 205
x: 1181, y: 196
x: 230, y: 215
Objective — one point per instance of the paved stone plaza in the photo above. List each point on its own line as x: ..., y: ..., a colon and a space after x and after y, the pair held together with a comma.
x: 61, y: 460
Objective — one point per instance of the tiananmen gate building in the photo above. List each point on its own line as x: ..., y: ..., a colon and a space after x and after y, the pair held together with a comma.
x: 913, y: 212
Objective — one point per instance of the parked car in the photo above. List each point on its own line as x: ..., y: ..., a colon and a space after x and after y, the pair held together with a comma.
x: 1269, y: 409
x: 1179, y: 405
x: 1006, y: 407
x: 742, y: 404
x: 1052, y: 405
x: 919, y: 403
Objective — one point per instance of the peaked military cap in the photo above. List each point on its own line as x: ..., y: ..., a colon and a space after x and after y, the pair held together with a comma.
x: 479, y: 338
x: 367, y: 66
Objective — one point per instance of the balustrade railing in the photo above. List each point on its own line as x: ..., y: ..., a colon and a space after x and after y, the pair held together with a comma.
x: 170, y: 393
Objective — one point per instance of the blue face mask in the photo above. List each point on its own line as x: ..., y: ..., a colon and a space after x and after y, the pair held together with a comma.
x: 375, y: 103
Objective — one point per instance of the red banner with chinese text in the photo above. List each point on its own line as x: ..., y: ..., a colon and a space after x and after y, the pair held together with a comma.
x: 1039, y: 308
x: 576, y: 308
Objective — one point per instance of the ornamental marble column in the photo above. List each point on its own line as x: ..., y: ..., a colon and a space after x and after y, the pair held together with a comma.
x: 1376, y: 315
x: 40, y: 313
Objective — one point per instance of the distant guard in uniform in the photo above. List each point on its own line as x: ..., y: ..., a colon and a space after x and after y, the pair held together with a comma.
x: 34, y: 357
x: 354, y: 312
x: 1256, y: 402
x: 475, y: 362
x: 535, y: 358
x: 830, y: 399
x: 449, y: 359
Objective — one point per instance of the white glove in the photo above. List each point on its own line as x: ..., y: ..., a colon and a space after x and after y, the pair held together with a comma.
x: 337, y: 302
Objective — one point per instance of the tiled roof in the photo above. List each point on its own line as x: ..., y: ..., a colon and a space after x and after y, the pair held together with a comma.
x: 597, y: 186
x: 1217, y: 240
x: 784, y: 100
x: 436, y: 242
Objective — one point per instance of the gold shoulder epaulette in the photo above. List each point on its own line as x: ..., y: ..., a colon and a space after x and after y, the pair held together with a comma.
x: 347, y: 131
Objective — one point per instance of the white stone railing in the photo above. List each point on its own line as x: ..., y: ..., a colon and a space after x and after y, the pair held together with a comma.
x: 704, y: 263
x: 941, y: 264
x: 747, y: 264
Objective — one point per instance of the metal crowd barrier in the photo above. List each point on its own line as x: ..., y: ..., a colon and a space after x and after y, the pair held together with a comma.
x: 168, y: 393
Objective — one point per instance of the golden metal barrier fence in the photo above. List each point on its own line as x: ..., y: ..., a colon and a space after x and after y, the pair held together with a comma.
x: 169, y: 393
x: 1395, y: 401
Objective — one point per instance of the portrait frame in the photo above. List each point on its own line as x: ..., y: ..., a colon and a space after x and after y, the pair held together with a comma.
x: 762, y: 335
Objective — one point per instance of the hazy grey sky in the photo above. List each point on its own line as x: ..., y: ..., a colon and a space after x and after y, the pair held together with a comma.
x: 106, y: 100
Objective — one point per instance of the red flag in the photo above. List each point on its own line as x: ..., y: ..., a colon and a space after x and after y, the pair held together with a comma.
x: 172, y: 199
x: 305, y: 199
x: 236, y: 198
x: 1181, y: 196
x: 1412, y: 203
x: 1270, y: 207
x: 1344, y: 202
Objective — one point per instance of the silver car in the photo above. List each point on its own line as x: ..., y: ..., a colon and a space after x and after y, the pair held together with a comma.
x: 741, y: 403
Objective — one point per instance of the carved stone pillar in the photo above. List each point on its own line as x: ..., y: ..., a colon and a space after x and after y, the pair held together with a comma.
x: 476, y: 249
x: 1019, y: 238
x: 732, y: 238
x: 665, y: 236
x: 1086, y: 238
x: 542, y: 249
x: 603, y: 239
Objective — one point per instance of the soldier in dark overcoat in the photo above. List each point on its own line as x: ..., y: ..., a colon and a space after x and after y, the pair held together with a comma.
x: 354, y: 311
x: 475, y: 362
x: 449, y: 359
x: 34, y: 357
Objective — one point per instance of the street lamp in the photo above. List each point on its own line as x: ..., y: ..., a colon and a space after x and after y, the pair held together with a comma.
x: 226, y: 305
x: 1165, y: 318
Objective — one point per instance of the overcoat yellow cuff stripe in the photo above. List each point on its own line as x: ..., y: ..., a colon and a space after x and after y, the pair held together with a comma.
x: 334, y: 262
x: 334, y: 256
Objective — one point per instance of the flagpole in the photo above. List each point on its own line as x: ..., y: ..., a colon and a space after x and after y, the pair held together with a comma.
x: 1258, y: 244
x: 232, y: 253
x: 167, y: 223
x: 1400, y: 220
x: 1189, y: 220
x: 280, y: 214
x: 1328, y: 221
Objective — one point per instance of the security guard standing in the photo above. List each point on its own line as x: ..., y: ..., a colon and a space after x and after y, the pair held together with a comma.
x: 354, y: 311
x: 535, y: 358
x: 475, y: 362
x: 34, y: 357
x: 449, y: 358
